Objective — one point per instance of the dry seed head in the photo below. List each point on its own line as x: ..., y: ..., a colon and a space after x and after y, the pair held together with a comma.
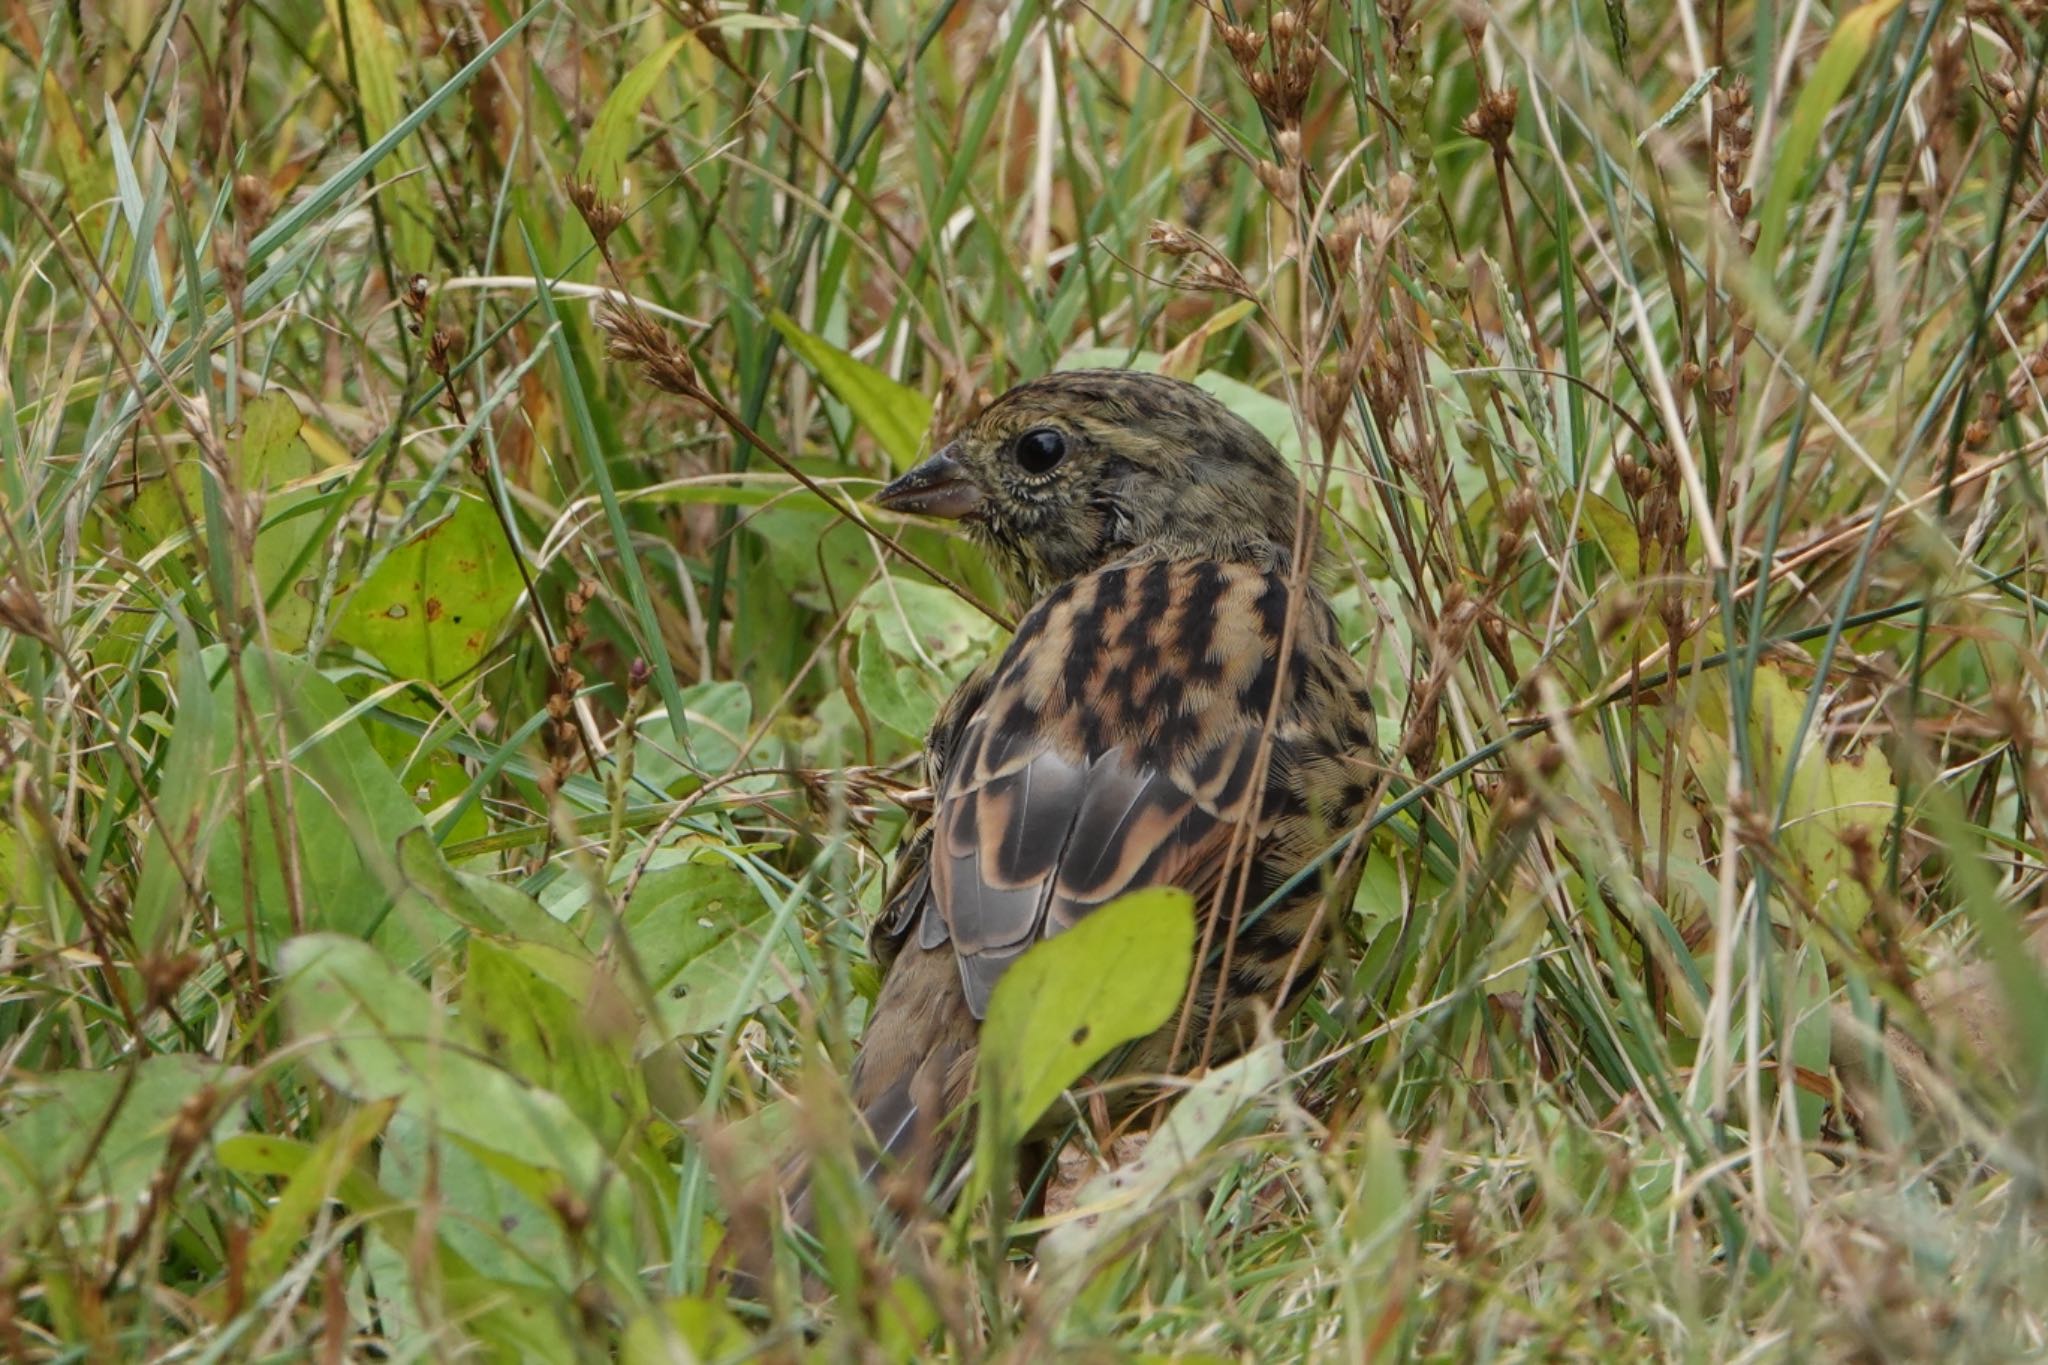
x: 1671, y: 611
x: 22, y: 613
x: 413, y: 297
x: 1494, y: 631
x: 600, y: 214
x: 1635, y: 479
x: 1720, y: 388
x: 1493, y: 121
x: 233, y: 264
x: 163, y: 974
x: 1516, y: 511
x: 1419, y: 744
x: 1244, y: 44
x: 1329, y: 400
x: 445, y: 344
x: 1168, y: 240
x: 1361, y: 224
x: 252, y: 203
x: 632, y: 338
x: 1221, y: 276
x: 1735, y: 99
x: 1278, y: 183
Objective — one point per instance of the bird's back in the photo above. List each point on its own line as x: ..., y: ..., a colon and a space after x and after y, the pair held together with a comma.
x: 1182, y: 722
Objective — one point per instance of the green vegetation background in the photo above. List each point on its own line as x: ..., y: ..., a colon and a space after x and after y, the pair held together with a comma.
x: 453, y: 715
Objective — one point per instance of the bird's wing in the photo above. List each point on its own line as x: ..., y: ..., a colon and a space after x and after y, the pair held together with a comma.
x: 909, y: 892
x: 1114, y: 751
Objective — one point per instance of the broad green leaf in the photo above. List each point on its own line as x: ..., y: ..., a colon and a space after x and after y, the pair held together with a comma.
x: 21, y: 871
x: 717, y: 716
x: 430, y: 768
x: 371, y: 1032
x: 523, y: 1326
x: 88, y: 177
x: 314, y: 1181
x: 1116, y: 976
x: 697, y: 928
x: 1601, y: 522
x: 1377, y: 1220
x: 603, y: 160
x: 274, y: 454
x: 917, y: 643
x: 541, y: 1033
x: 434, y: 607
x: 186, y: 802
x: 895, y: 415
x: 899, y: 695
x: 1831, y: 805
x: 684, y: 1329
x: 482, y: 903
x: 1111, y: 1203
x: 110, y: 1127
x: 273, y: 462
x: 815, y: 559
x: 347, y: 815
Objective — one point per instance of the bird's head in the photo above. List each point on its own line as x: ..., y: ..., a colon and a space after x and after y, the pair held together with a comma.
x: 1066, y: 473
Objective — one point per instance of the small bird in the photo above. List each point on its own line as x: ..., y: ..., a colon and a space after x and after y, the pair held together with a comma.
x: 1176, y: 708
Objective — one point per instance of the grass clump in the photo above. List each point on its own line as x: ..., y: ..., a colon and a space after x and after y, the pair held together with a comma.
x: 456, y: 710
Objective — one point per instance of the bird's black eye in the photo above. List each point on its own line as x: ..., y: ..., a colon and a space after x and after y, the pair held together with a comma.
x: 1040, y: 450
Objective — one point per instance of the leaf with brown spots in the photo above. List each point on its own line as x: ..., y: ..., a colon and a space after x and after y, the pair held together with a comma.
x: 432, y: 609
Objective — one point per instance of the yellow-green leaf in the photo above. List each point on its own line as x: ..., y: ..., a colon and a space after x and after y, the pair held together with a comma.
x: 603, y: 161
x: 1792, y: 158
x: 316, y: 1179
x: 435, y: 605
x: 895, y: 415
x: 378, y: 58
x: 1184, y: 361
x: 274, y: 454
x: 1832, y: 804
x: 1608, y: 526
x: 1117, y: 975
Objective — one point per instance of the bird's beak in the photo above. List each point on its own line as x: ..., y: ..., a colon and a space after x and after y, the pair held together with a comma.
x: 937, y: 488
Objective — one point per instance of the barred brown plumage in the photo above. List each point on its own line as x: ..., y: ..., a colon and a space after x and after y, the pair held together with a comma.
x: 1176, y: 708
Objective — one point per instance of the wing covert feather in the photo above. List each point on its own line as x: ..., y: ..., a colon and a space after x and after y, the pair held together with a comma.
x: 1079, y: 777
